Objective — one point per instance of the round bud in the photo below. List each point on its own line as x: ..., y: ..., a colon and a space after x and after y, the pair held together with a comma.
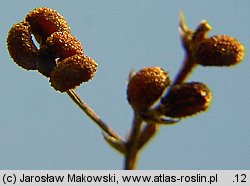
x: 186, y: 99
x: 62, y: 45
x: 21, y: 47
x: 45, y: 21
x: 72, y: 71
x: 219, y: 50
x: 146, y: 86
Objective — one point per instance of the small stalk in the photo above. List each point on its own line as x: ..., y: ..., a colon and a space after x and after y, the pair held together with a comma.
x: 187, y: 67
x: 132, y: 144
x: 149, y: 131
x: 85, y: 108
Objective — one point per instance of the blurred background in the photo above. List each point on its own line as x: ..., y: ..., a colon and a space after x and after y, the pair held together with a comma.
x: 43, y: 129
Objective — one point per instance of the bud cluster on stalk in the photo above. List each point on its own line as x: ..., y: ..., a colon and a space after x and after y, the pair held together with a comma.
x: 59, y: 56
x: 186, y: 99
x: 154, y: 98
x: 183, y: 99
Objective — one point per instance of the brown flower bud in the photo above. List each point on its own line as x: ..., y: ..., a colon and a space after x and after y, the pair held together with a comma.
x: 63, y: 45
x: 45, y: 21
x: 186, y: 99
x: 219, y: 50
x: 72, y: 71
x: 146, y: 86
x: 21, y: 47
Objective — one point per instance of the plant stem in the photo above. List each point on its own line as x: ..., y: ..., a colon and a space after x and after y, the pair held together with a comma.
x: 149, y: 131
x: 137, y: 138
x: 85, y: 108
x: 132, y: 144
x: 185, y: 70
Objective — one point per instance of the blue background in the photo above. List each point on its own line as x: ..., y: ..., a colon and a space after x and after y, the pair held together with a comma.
x: 43, y: 129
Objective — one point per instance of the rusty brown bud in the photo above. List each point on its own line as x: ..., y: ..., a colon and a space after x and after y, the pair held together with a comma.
x: 62, y: 45
x: 186, y: 99
x: 59, y: 45
x: 219, y: 50
x: 21, y: 47
x: 45, y: 21
x: 146, y: 86
x: 72, y: 71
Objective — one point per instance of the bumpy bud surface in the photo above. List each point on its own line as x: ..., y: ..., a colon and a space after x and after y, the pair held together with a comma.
x: 187, y: 99
x: 21, y: 47
x: 63, y: 45
x: 72, y: 71
x: 219, y: 50
x: 146, y: 86
x: 45, y: 21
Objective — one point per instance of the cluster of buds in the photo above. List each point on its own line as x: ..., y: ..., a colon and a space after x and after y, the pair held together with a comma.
x: 182, y: 98
x: 59, y: 56
x: 148, y: 85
